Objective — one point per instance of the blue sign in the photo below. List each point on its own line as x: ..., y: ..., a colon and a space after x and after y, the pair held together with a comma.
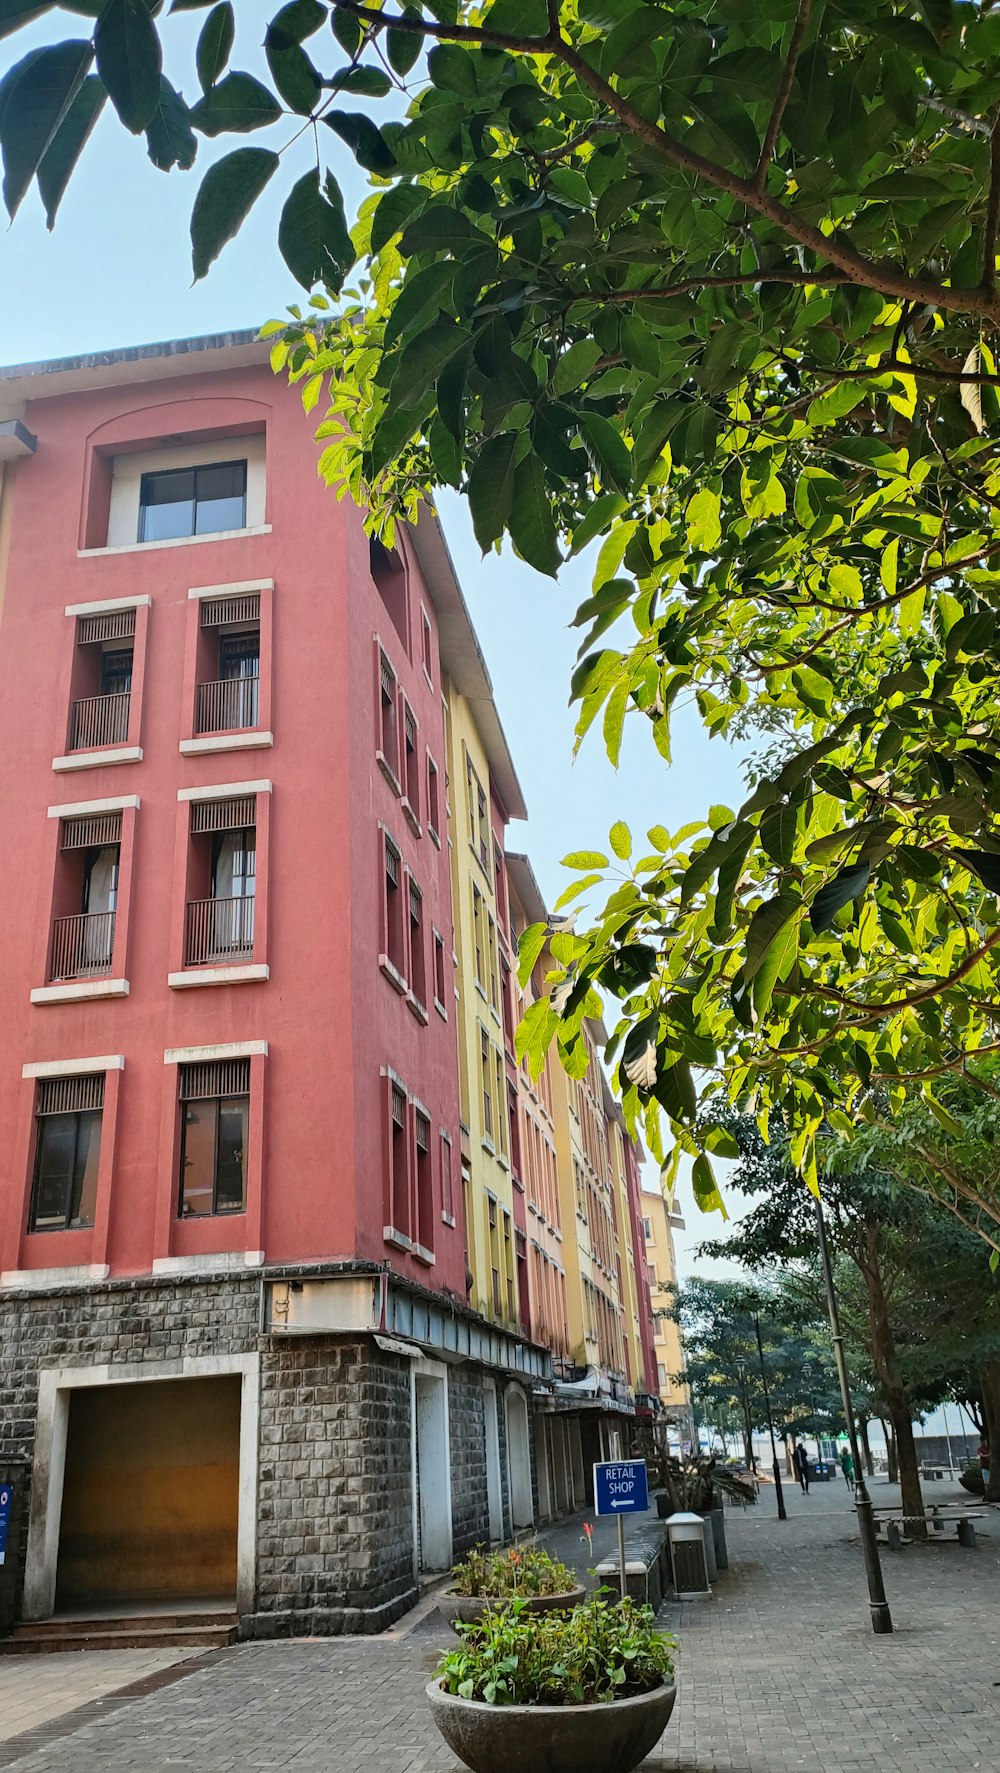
x: 620, y: 1487
x: 6, y: 1492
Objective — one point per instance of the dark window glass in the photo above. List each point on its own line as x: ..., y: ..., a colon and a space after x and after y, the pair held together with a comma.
x: 214, y: 1155
x: 192, y: 501
x: 65, y: 1182
x: 116, y: 673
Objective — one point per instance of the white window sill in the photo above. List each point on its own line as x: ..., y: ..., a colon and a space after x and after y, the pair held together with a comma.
x: 442, y: 1012
x: 411, y: 817
x: 218, y: 535
x: 73, y: 992
x: 419, y: 1009
x: 249, y: 741
x: 393, y: 974
x: 388, y: 772
x: 236, y: 975
x: 432, y: 834
x: 427, y: 1257
x: 223, y: 1262
x: 448, y: 1219
x: 92, y: 760
x: 398, y: 1239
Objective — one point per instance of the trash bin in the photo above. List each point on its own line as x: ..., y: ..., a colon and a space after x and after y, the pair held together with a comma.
x: 688, y: 1555
x: 819, y: 1471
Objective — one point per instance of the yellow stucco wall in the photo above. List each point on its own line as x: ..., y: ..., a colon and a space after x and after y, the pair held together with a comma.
x: 487, y: 1148
x: 669, y: 1349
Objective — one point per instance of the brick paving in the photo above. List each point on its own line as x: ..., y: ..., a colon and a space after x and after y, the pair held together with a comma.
x: 779, y: 1671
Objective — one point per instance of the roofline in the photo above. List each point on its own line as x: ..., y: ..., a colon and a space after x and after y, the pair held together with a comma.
x: 526, y: 886
x: 54, y: 376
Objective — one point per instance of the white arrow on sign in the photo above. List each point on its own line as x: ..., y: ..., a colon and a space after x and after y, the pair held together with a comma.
x: 623, y: 1504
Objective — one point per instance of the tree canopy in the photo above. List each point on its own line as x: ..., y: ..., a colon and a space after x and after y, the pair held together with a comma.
x: 716, y: 292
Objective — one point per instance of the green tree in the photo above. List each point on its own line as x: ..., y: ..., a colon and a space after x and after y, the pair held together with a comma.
x: 915, y: 1288
x: 716, y: 291
x: 718, y: 1320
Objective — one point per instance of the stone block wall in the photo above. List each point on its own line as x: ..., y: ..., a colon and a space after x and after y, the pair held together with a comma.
x: 470, y: 1518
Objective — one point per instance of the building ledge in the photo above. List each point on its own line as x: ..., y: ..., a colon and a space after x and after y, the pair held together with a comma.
x: 427, y: 1257
x: 98, y: 760
x: 73, y: 992
x: 15, y: 440
x: 393, y: 974
x: 210, y: 742
x: 237, y: 975
x: 219, y: 535
x: 222, y: 1262
x: 30, y: 1280
x: 398, y: 1239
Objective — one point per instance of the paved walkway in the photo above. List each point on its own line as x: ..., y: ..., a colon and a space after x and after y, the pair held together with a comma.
x: 779, y: 1672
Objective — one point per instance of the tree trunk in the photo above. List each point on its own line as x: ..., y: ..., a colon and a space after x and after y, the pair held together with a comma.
x: 892, y: 1472
x: 892, y: 1384
x: 788, y: 1455
x: 865, y: 1445
x: 989, y: 1384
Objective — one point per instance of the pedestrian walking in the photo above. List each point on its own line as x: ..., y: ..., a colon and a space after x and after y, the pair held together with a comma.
x: 800, y: 1460
x: 984, y: 1462
x: 847, y: 1466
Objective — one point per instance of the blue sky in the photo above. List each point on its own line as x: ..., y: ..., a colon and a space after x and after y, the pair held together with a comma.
x: 116, y: 271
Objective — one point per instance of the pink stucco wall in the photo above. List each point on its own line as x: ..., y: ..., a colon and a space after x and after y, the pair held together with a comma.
x: 331, y: 1020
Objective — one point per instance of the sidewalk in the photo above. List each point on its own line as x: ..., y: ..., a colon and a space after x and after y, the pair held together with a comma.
x: 779, y: 1672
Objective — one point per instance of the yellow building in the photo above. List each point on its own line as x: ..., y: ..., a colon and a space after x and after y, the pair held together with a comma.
x: 628, y: 1257
x: 483, y: 793
x: 661, y: 1264
x: 594, y: 1305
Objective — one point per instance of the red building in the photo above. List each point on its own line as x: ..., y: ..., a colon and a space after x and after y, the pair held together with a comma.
x: 229, y: 1085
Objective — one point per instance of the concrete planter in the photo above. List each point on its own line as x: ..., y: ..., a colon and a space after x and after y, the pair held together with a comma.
x: 468, y: 1608
x: 610, y: 1738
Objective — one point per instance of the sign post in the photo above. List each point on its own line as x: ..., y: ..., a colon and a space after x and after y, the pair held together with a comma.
x: 620, y: 1488
x: 6, y: 1492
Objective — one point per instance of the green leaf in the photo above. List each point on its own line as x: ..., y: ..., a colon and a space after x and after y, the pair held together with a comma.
x: 35, y: 98
x: 608, y: 451
x: 423, y: 358
x: 293, y: 23
x: 574, y: 366
x: 849, y: 884
x: 620, y: 839
x: 68, y: 143
x: 225, y: 197
x: 585, y: 859
x: 983, y: 863
x: 491, y: 487
x: 531, y: 524
x: 440, y: 228
x: 170, y: 140
x: 704, y: 529
x: 403, y: 47
x: 215, y: 44
x: 602, y: 512
x: 364, y: 138
x: 16, y: 13
x: 765, y: 927
x: 313, y: 238
x: 129, y: 60
x: 529, y: 947
x: 296, y: 80
x: 453, y: 69
x: 236, y: 105
x: 363, y: 82
x: 703, y: 1186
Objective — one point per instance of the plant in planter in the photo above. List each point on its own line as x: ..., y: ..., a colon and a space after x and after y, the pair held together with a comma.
x: 555, y: 1692
x: 487, y: 1579
x: 696, y: 1483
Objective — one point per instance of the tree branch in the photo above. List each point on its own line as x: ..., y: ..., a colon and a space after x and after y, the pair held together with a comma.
x: 992, y: 213
x: 599, y: 126
x: 884, y: 279
x: 724, y: 280
x: 919, y: 372
x: 783, y: 95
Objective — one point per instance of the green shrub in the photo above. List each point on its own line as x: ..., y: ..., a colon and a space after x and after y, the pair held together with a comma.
x: 600, y: 1651
x: 518, y: 1571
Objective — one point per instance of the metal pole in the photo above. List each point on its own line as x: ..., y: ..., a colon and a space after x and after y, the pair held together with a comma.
x: 947, y: 1437
x: 623, y: 1580
x: 778, y: 1492
x: 881, y: 1617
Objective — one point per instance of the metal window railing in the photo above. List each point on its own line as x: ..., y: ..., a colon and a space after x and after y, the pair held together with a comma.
x: 83, y: 946
x: 100, y: 720
x: 228, y: 705
x: 219, y: 930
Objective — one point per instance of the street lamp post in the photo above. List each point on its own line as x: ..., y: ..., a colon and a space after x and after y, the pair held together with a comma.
x: 881, y: 1617
x: 779, y: 1494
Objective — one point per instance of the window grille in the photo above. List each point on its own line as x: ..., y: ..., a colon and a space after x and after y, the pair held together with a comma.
x: 118, y: 624
x: 398, y: 1105
x: 215, y: 1077
x: 416, y: 899
x: 220, y: 612
x: 93, y: 831
x: 70, y: 1095
x: 392, y: 862
x: 387, y: 675
x: 423, y: 1133
x: 224, y: 815
x: 410, y: 727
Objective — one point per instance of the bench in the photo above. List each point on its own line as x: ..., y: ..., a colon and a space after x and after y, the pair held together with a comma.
x: 895, y: 1523
x: 646, y: 1567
